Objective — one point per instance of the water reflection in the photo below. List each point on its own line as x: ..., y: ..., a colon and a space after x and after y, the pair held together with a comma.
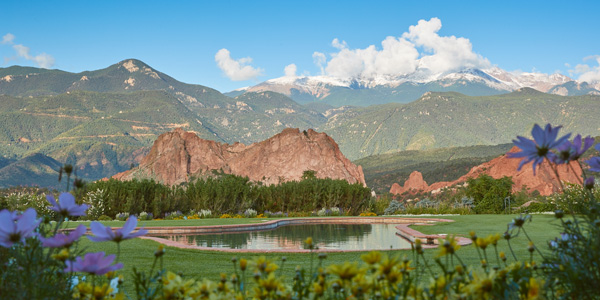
x: 291, y: 237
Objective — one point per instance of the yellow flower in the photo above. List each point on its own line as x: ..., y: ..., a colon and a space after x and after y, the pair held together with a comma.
x: 175, y: 287
x: 448, y: 246
x: 160, y: 251
x: 110, y: 275
x: 270, y: 284
x: 243, y: 264
x: 372, y: 257
x: 481, y: 286
x: 262, y: 264
x: 533, y: 289
x: 62, y: 255
x: 531, y: 247
x: 493, y: 239
x: 309, y: 243
x: 387, y: 264
x: 318, y: 289
x: 102, y: 291
x: 481, y: 243
x: 345, y: 271
x: 502, y: 256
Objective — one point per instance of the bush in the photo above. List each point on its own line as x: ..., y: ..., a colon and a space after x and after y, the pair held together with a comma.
x: 489, y: 194
x: 394, y: 207
x: 104, y: 218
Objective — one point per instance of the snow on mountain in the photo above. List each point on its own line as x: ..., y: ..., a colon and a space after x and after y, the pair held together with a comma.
x: 319, y: 87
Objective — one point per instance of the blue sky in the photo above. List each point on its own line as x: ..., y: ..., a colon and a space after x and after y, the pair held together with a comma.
x: 182, y: 38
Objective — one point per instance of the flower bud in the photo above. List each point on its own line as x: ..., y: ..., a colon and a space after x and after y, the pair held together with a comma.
x: 160, y: 251
x: 531, y: 247
x: 243, y: 264
x: 589, y: 182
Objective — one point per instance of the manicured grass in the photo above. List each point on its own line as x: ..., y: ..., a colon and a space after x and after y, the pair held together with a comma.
x: 210, y: 264
x: 166, y: 223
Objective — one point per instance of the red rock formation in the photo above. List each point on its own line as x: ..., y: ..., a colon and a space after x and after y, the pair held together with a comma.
x: 544, y: 181
x: 178, y: 156
x: 413, y: 184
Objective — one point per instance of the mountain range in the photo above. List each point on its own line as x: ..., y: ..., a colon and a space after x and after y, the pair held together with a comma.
x: 105, y: 121
x: 406, y: 88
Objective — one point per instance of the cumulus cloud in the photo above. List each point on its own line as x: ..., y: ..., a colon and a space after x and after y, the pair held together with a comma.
x: 587, y: 73
x: 290, y: 70
x: 401, y: 55
x: 320, y: 60
x: 42, y: 60
x: 236, y: 70
x: 8, y: 39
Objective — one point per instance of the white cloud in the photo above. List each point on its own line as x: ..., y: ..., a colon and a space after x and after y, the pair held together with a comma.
x: 401, y: 55
x: 236, y: 70
x: 290, y: 70
x: 320, y: 59
x: 590, y: 74
x: 8, y: 39
x: 42, y: 60
x: 340, y: 45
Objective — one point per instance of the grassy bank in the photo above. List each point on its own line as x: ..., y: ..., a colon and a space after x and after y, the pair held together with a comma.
x: 210, y: 264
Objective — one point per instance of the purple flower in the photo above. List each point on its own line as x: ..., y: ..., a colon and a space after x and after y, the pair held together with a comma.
x: 105, y: 233
x: 61, y: 240
x: 539, y: 148
x: 66, y: 205
x: 570, y: 151
x: 589, y: 182
x: 594, y: 164
x: 93, y: 263
x: 15, y: 228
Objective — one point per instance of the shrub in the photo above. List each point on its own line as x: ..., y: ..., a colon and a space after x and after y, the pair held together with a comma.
x: 394, y: 207
x: 489, y: 194
x: 175, y: 215
x: 146, y: 216
x: 205, y: 213
x: 122, y: 216
x: 98, y: 203
x: 104, y: 218
x: 250, y: 213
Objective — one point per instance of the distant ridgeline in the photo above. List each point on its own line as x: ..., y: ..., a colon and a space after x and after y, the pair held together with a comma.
x: 105, y: 121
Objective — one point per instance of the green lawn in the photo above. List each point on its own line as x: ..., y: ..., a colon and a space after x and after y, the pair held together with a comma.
x: 209, y: 264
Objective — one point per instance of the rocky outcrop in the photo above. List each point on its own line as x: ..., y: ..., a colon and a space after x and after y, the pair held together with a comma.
x: 544, y: 181
x: 178, y: 156
x: 413, y: 184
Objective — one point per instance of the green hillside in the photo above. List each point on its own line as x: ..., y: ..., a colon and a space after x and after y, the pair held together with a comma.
x: 443, y: 164
x: 439, y: 120
x: 34, y: 170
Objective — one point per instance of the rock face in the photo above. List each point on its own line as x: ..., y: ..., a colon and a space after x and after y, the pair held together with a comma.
x: 413, y: 184
x: 544, y: 181
x: 178, y: 156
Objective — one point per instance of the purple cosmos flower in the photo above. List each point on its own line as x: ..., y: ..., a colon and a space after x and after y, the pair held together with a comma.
x: 61, y: 240
x: 15, y: 228
x: 570, y: 151
x: 105, y: 233
x: 594, y: 164
x: 539, y: 148
x: 66, y: 205
x: 93, y: 263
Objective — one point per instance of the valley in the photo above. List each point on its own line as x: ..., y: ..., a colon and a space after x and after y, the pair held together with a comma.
x: 105, y: 121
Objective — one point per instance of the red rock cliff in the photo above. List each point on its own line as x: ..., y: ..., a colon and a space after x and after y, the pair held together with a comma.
x: 544, y: 181
x: 178, y: 155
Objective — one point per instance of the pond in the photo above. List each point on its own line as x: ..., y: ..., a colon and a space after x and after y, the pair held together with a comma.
x: 291, y: 237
